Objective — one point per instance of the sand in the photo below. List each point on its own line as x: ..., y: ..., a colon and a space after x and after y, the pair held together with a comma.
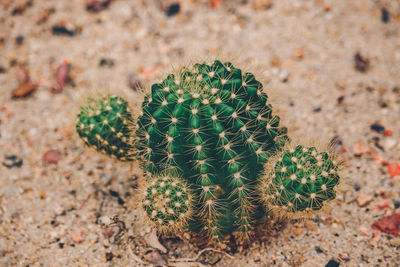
x: 59, y: 214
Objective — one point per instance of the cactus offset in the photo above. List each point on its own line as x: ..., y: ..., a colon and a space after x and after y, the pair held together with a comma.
x: 215, y: 127
x: 301, y: 180
x: 105, y: 124
x: 168, y: 202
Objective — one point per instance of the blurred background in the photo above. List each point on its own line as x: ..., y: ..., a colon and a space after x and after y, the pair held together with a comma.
x: 330, y: 67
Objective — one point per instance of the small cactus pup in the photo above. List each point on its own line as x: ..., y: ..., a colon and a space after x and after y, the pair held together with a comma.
x: 299, y: 181
x: 168, y: 203
x: 105, y: 124
x: 213, y: 125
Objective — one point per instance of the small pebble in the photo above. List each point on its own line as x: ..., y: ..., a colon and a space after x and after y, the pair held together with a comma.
x: 385, y: 17
x: 12, y: 161
x: 173, y: 9
x: 64, y: 30
x: 360, y: 63
x: 332, y: 263
x: 382, y: 205
x: 377, y: 128
x: 51, y: 156
x: 77, y: 238
x: 19, y: 40
x: 389, y: 143
x: 284, y: 76
x: 363, y: 200
x: 359, y: 148
x: 105, y: 62
x: 20, y: 7
x: 113, y: 193
x: 97, y: 5
x: 109, y: 256
x: 344, y: 256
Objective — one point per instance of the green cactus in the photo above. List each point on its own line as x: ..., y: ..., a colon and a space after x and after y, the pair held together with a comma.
x: 168, y: 203
x: 213, y: 152
x: 214, y: 126
x: 105, y: 123
x: 300, y: 180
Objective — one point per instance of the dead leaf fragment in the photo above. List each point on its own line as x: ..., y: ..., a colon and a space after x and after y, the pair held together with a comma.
x: 152, y: 240
x: 155, y: 258
x: 63, y: 76
x: 23, y: 90
x: 388, y: 224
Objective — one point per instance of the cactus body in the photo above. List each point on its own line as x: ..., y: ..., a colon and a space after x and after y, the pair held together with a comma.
x: 301, y: 180
x: 105, y: 124
x: 167, y: 202
x: 215, y: 127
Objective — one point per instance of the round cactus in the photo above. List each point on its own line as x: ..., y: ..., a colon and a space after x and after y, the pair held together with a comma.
x: 300, y: 180
x: 213, y: 125
x: 168, y: 202
x: 105, y: 124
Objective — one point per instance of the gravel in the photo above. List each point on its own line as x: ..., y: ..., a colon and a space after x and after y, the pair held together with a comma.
x: 83, y: 211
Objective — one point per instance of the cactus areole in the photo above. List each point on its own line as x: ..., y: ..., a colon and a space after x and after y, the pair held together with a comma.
x: 204, y: 138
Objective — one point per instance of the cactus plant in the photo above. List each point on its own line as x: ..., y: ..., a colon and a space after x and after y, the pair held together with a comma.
x: 168, y: 202
x: 300, y: 180
x: 106, y: 125
x: 214, y: 126
x: 213, y: 152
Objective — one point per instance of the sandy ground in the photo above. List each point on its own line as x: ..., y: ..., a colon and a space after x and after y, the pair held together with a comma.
x: 59, y: 214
